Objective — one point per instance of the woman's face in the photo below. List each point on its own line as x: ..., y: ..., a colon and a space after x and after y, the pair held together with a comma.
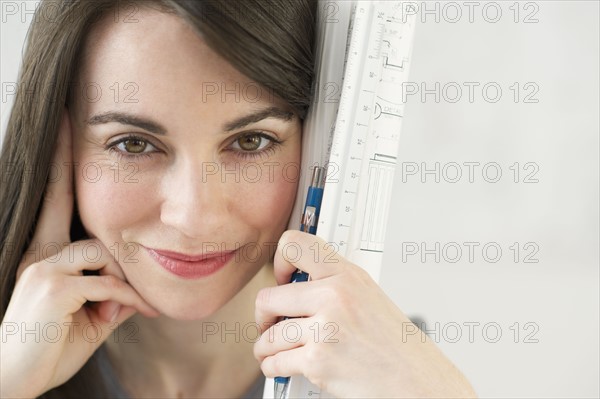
x: 189, y: 182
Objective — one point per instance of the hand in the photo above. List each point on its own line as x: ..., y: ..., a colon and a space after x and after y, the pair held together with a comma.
x: 352, y: 340
x: 49, y: 296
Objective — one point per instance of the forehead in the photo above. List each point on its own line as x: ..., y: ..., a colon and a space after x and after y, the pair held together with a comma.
x: 159, y: 61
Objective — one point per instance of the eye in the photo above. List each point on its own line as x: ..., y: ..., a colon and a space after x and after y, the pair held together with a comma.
x: 131, y: 147
x: 255, y: 144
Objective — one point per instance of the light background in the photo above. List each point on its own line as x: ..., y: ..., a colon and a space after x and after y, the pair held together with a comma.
x: 559, y: 133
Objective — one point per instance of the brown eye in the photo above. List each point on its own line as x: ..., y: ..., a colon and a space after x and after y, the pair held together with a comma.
x: 250, y: 142
x: 134, y: 146
x: 254, y: 144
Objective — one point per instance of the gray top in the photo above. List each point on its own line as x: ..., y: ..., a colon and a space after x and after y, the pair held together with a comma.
x: 116, y: 390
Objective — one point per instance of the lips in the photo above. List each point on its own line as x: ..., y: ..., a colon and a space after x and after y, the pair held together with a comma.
x: 190, y: 258
x: 191, y: 266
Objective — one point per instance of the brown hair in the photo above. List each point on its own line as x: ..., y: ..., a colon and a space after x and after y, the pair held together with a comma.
x: 269, y: 41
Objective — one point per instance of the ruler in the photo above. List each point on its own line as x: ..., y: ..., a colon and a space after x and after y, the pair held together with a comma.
x: 365, y: 144
x: 363, y: 140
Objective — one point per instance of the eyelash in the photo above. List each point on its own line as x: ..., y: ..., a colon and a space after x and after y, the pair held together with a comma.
x: 242, y: 154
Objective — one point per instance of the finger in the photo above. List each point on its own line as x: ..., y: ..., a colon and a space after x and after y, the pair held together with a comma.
x: 102, y: 315
x: 54, y: 223
x: 113, y: 267
x: 108, y: 326
x: 307, y: 252
x: 55, y: 218
x: 108, y: 310
x: 285, y: 363
x: 88, y: 254
x: 91, y: 254
x: 285, y: 335
x: 106, y: 288
x: 292, y: 300
x: 125, y: 312
x: 111, y: 310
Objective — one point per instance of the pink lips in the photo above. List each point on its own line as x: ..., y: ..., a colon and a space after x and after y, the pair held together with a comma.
x: 191, y: 267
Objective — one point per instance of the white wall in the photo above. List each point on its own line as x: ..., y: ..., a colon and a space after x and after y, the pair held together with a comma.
x: 15, y: 19
x: 559, y: 295
x: 559, y: 213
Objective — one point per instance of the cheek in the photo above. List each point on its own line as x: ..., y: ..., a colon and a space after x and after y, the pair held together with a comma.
x: 268, y: 201
x: 105, y: 201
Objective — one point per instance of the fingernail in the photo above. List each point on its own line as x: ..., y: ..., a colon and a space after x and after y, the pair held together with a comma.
x: 113, y: 311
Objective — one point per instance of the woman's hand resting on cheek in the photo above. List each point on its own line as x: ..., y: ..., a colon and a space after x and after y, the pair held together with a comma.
x: 47, y: 332
x: 352, y: 340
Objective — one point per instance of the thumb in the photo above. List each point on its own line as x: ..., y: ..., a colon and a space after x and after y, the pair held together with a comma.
x: 57, y: 210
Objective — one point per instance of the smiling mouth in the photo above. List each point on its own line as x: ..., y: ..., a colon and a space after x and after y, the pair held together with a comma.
x: 191, y: 267
x: 190, y: 258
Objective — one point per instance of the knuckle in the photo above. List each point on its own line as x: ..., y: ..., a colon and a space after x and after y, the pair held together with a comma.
x: 111, y: 282
x: 343, y: 299
x: 32, y: 271
x: 54, y: 285
x: 291, y: 236
x: 257, y: 350
x: 25, y: 271
x: 266, y: 367
x: 335, y: 294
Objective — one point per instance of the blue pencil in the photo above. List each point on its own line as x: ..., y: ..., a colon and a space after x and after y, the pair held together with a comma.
x: 308, y: 224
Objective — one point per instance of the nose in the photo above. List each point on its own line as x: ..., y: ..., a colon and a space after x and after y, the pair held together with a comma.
x: 195, y: 201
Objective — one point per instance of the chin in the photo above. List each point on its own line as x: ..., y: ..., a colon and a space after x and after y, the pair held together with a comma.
x: 185, y: 305
x: 185, y: 313
x: 186, y: 316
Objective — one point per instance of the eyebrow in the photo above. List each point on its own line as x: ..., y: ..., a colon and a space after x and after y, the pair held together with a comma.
x: 125, y: 118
